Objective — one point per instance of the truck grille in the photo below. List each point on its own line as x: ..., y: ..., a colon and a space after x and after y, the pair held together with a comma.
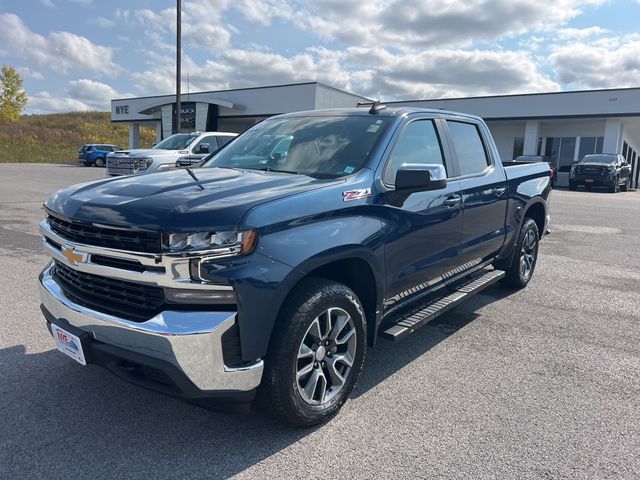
x: 122, y: 164
x: 135, y: 241
x: 592, y: 170
x: 124, y: 299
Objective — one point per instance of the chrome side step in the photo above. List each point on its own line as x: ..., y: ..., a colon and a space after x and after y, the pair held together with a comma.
x: 434, y: 307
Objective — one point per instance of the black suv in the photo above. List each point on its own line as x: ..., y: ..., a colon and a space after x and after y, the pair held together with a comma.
x: 602, y: 170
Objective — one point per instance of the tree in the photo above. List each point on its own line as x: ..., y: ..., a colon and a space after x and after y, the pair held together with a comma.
x: 13, y: 98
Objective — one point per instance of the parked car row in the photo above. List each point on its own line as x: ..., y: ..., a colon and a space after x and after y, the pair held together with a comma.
x: 183, y: 148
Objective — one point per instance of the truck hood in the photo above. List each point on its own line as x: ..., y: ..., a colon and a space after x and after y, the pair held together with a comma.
x: 173, y: 201
x: 147, y: 152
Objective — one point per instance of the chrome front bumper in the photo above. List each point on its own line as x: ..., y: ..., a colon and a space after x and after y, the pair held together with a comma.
x: 191, y: 341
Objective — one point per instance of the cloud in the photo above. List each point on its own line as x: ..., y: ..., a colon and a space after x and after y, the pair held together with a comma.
x: 59, y: 51
x: 26, y: 72
x: 375, y: 72
x: 102, y: 22
x: 96, y: 94
x: 417, y: 23
x: 48, y: 3
x: 44, y: 102
x: 605, y: 63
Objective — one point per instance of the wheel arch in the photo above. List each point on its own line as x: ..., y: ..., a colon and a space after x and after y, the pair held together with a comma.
x: 358, y: 271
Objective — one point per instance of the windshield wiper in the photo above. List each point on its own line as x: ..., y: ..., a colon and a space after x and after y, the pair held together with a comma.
x: 269, y: 169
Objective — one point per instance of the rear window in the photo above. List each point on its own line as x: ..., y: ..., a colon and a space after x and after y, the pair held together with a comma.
x: 472, y: 156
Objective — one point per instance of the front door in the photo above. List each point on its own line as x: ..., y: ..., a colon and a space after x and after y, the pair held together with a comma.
x: 422, y: 228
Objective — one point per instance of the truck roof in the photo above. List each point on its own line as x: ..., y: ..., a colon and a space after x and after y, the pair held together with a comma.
x: 388, y: 111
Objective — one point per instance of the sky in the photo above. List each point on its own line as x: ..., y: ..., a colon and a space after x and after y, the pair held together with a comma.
x: 79, y: 54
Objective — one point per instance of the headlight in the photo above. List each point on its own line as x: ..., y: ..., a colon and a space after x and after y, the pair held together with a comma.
x: 143, y: 163
x: 229, y: 242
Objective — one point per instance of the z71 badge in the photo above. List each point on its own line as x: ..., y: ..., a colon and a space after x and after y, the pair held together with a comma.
x: 356, y: 194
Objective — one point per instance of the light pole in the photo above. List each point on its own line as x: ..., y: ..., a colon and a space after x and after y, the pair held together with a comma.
x: 178, y: 50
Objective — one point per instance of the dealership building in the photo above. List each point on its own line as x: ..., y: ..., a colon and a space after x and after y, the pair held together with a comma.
x: 565, y: 126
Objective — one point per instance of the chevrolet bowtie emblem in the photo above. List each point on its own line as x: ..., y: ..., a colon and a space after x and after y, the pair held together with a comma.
x: 71, y: 255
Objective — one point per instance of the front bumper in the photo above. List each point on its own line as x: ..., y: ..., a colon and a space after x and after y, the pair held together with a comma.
x: 184, y: 345
x: 595, y: 180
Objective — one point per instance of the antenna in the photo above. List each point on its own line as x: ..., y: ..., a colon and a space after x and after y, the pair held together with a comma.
x: 376, y: 107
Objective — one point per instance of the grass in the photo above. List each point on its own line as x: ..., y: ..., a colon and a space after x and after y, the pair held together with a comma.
x: 57, y: 137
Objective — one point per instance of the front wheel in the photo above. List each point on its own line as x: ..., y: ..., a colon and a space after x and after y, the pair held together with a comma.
x: 523, y: 263
x: 316, y: 353
x: 625, y: 186
x: 572, y: 186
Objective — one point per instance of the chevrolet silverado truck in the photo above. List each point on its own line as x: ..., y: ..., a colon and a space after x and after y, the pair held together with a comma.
x: 267, y: 277
x: 187, y: 147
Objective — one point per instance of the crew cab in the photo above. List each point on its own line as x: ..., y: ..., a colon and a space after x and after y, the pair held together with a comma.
x: 268, y: 274
x: 188, y: 147
x: 601, y: 170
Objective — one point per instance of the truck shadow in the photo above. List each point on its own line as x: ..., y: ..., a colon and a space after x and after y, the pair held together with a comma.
x: 388, y: 357
x: 60, y: 419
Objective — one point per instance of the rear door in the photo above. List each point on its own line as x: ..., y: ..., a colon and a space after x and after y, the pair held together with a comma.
x: 422, y: 228
x: 483, y: 188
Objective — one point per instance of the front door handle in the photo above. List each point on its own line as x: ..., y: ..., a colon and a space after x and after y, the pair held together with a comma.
x: 452, y: 201
x: 499, y: 191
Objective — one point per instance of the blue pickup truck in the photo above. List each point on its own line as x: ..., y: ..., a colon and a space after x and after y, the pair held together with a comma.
x: 262, y: 275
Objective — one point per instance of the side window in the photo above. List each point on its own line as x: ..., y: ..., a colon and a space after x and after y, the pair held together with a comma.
x: 418, y: 144
x: 211, y: 141
x: 222, y: 141
x: 472, y: 157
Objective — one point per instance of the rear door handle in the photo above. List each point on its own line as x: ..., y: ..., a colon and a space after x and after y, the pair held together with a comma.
x: 499, y: 191
x: 452, y: 201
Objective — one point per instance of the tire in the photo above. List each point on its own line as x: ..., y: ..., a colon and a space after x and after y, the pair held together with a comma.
x: 572, y: 186
x: 614, y: 188
x: 526, y: 247
x: 86, y: 164
x: 291, y: 390
x: 99, y: 162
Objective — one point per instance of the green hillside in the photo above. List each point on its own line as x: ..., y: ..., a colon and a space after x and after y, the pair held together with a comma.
x: 56, y: 138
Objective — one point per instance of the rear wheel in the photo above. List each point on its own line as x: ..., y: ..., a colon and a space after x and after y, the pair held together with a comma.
x: 99, y: 162
x: 523, y: 263
x: 316, y: 354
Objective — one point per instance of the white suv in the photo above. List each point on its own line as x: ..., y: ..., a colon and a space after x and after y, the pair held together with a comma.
x: 192, y: 146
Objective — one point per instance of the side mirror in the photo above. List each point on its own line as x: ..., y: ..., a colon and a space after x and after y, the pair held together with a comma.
x: 420, y: 178
x: 203, y: 148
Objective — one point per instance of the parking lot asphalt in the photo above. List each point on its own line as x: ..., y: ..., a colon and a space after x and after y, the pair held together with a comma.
x: 540, y: 383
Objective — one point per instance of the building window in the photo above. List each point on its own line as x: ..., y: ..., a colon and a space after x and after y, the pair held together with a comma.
x: 561, y: 151
x: 518, y: 147
x: 599, y: 143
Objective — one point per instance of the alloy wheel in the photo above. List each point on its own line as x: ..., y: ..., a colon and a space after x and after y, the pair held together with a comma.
x: 325, y: 356
x: 528, y: 254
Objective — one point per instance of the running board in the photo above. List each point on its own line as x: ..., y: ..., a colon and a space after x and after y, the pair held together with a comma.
x: 435, y: 307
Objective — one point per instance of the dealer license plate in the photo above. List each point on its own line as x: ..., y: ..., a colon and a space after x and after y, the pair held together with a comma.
x: 588, y: 180
x: 68, y: 344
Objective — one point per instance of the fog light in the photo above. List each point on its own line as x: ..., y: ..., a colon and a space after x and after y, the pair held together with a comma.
x: 217, y: 294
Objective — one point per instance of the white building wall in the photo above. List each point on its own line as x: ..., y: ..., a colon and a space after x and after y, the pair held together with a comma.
x: 504, y: 134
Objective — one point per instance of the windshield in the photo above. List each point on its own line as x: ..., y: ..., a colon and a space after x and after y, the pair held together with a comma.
x: 179, y: 141
x: 607, y: 159
x: 322, y: 147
